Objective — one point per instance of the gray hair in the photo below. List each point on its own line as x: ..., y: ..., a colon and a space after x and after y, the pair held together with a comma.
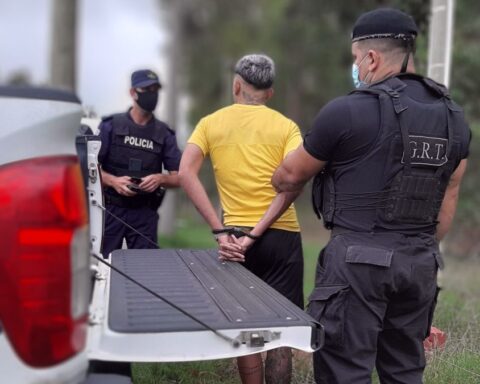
x: 257, y: 70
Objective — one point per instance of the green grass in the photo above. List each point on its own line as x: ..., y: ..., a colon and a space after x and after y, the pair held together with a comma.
x: 189, y: 234
x: 310, y: 255
x: 205, y: 372
x: 458, y: 314
x: 454, y: 366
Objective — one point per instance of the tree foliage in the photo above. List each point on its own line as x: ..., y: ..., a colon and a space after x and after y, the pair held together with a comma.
x: 309, y: 41
x: 466, y: 57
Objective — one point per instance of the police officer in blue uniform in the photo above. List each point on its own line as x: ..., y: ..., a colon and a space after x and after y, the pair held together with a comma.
x: 136, y: 147
x: 389, y: 158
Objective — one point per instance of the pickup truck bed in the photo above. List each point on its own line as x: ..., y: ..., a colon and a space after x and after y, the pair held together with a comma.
x: 140, y: 327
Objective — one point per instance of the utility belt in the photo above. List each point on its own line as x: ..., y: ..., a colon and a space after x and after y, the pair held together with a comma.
x: 151, y: 200
x: 337, y: 230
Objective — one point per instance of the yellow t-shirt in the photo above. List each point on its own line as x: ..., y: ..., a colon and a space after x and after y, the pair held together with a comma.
x: 246, y: 143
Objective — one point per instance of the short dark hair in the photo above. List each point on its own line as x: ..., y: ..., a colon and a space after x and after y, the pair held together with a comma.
x: 257, y: 70
x: 388, y: 45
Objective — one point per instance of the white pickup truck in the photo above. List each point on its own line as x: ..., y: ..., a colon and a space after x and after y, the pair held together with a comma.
x: 61, y: 306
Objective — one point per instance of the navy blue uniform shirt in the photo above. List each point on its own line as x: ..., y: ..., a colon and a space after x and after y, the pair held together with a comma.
x: 171, y: 152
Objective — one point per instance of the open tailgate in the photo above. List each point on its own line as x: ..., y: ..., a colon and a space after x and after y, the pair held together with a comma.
x: 130, y: 324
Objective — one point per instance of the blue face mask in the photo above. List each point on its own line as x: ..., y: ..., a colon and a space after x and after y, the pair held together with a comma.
x: 356, y: 74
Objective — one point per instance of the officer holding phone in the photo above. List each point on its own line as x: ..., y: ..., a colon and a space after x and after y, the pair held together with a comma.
x: 135, y: 148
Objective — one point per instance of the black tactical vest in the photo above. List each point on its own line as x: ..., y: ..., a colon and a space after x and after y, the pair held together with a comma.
x: 406, y: 171
x: 135, y: 150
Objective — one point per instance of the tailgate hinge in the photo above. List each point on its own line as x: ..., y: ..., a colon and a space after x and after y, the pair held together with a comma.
x: 95, y: 318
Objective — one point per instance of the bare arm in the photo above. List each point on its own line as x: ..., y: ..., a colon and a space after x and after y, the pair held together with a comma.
x: 151, y: 182
x: 192, y: 160
x: 119, y: 183
x: 296, y: 169
x: 288, y: 180
x: 169, y: 158
x: 279, y: 205
x: 449, y: 203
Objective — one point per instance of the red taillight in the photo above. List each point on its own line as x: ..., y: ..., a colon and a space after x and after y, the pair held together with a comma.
x: 43, y: 259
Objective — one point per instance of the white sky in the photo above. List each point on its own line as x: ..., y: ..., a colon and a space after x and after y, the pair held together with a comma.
x: 115, y: 37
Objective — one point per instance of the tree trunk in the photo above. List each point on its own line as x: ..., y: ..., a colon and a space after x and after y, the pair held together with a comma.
x: 440, y: 40
x: 168, y: 211
x: 63, y: 55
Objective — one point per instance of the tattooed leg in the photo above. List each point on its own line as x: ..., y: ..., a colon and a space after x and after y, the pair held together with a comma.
x: 278, y: 366
x: 250, y: 369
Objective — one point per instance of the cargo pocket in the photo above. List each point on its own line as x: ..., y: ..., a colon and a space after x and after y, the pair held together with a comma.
x: 327, y: 305
x: 362, y: 254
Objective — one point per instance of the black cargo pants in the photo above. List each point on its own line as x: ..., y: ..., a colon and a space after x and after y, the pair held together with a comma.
x: 375, y: 295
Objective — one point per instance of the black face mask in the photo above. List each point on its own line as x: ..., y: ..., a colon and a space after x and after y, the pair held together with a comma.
x: 147, y: 100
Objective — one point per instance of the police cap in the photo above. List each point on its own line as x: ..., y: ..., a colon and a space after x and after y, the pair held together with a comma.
x: 144, y: 78
x: 384, y: 23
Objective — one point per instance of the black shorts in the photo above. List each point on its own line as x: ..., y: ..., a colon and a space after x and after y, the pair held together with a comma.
x: 277, y: 258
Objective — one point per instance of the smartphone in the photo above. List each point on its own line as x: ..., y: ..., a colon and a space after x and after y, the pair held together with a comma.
x: 136, y: 180
x: 134, y: 188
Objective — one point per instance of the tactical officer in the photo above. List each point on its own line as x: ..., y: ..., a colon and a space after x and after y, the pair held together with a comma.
x: 135, y: 148
x: 391, y: 156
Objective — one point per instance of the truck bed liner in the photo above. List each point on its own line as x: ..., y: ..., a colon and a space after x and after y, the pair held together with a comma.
x: 218, y: 293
